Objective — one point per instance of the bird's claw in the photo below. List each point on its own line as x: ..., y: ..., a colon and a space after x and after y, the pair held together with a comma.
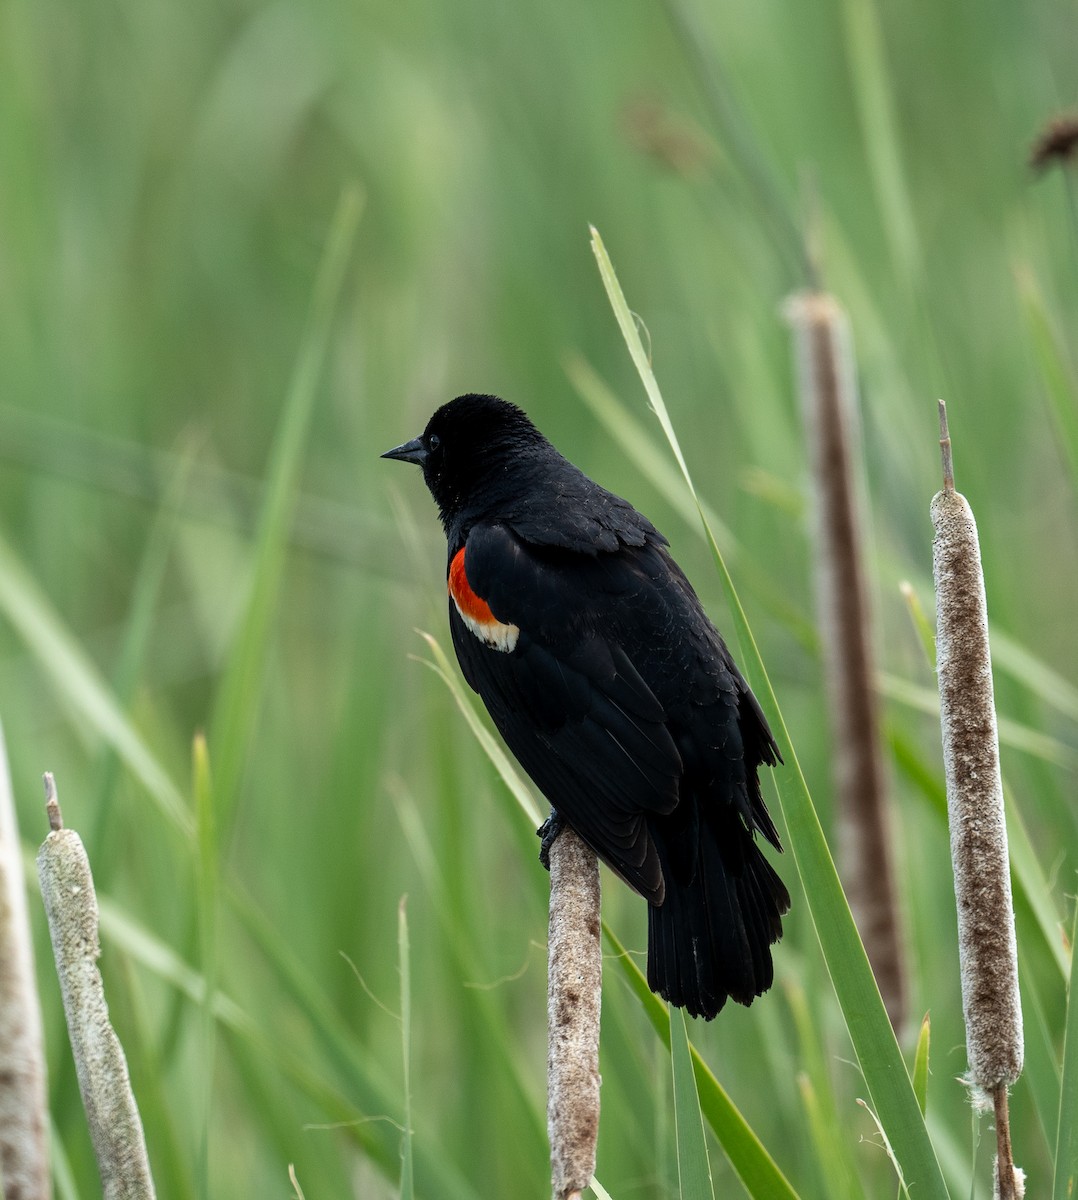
x: 548, y: 831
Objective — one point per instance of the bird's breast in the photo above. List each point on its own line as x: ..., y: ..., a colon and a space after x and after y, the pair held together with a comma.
x: 475, y: 611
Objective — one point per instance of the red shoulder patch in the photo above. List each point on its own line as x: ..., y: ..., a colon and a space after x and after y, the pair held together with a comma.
x: 466, y: 600
x: 475, y: 611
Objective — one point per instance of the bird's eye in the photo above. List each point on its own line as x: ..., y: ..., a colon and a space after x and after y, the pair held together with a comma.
x: 434, y: 441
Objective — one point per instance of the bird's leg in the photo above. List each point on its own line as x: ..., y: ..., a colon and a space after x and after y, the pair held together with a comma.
x: 548, y: 831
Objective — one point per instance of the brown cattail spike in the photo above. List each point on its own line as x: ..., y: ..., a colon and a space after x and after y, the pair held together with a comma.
x: 826, y: 375
x: 24, y: 1156
x: 67, y: 889
x: 975, y: 799
x: 987, y: 949
x: 574, y: 973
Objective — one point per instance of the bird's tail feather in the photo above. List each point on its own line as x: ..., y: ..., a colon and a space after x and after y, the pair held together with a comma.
x: 711, y: 937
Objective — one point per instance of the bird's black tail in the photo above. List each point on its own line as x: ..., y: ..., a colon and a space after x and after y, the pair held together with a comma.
x: 711, y: 937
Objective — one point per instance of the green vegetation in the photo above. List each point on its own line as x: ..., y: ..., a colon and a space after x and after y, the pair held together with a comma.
x: 245, y: 248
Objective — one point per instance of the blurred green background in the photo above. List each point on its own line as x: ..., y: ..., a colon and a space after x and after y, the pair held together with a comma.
x: 196, y: 532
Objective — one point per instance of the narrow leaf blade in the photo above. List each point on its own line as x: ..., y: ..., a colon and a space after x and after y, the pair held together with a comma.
x: 874, y: 1041
x: 694, y: 1167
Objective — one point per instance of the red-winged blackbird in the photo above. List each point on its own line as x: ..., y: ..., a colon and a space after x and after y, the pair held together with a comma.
x: 616, y: 693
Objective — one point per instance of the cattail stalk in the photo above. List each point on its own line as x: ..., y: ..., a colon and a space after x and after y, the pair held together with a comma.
x: 825, y: 372
x: 574, y: 983
x: 67, y: 888
x: 987, y: 948
x: 24, y: 1160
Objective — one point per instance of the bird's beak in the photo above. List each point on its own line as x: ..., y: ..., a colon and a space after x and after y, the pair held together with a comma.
x: 411, y: 452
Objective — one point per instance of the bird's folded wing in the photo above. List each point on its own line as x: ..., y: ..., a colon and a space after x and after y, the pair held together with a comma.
x: 568, y: 701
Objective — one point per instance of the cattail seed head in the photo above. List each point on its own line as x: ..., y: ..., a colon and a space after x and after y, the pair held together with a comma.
x: 67, y: 889
x: 574, y: 989
x: 986, y: 937
x: 24, y: 1159
x: 826, y: 380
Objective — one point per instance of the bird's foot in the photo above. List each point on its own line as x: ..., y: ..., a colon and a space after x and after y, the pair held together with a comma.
x: 548, y: 831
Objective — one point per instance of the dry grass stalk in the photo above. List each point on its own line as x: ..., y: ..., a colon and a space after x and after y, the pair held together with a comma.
x: 574, y: 983
x: 24, y: 1160
x: 986, y: 939
x: 67, y: 888
x: 825, y: 370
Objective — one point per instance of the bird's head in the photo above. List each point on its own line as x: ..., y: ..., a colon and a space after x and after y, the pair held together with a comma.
x: 467, y: 449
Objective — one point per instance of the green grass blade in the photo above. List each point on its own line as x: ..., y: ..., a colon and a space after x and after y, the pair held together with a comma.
x: 208, y: 893
x: 78, y: 683
x: 131, y: 659
x: 1050, y: 356
x: 693, y: 1164
x: 407, y: 1188
x: 920, y: 1064
x: 451, y: 678
x: 926, y: 634
x: 747, y: 1155
x: 639, y: 448
x: 1065, y: 1183
x: 733, y: 127
x: 142, y: 946
x: 641, y: 359
x: 258, y: 1060
x: 1041, y: 1072
x: 1034, y: 674
x: 824, y: 1135
x: 879, y: 127
x: 435, y: 1172
x: 491, y: 1017
x: 1032, y: 883
x: 835, y: 1155
x: 888, y: 1082
x: 62, y: 1176
x: 238, y: 698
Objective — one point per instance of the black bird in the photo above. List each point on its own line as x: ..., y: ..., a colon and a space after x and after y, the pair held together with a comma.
x: 618, y: 696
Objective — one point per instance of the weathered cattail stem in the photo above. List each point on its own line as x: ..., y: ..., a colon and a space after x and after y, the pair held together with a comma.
x: 987, y: 948
x: 828, y: 392
x: 67, y: 888
x: 24, y: 1160
x: 1010, y: 1181
x: 574, y: 984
